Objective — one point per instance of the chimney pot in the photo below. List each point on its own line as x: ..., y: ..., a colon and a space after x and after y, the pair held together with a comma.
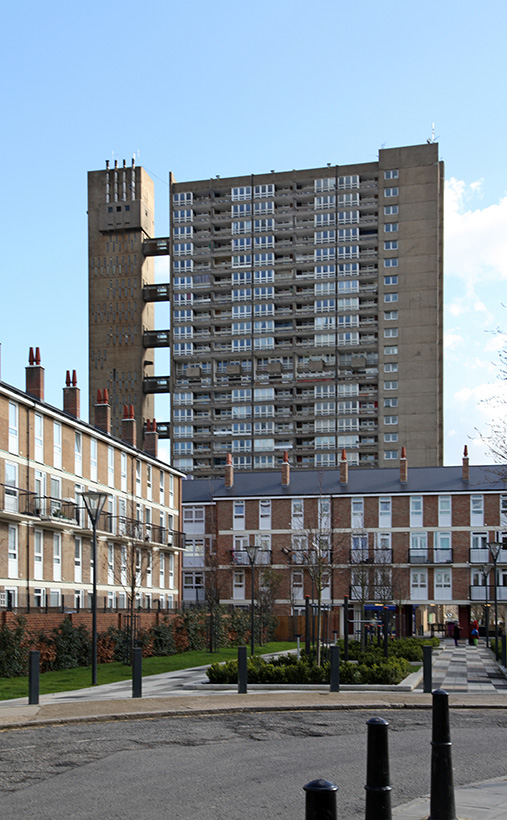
x: 285, y: 470
x: 34, y: 376
x: 344, y: 469
x: 466, y: 465
x: 229, y: 471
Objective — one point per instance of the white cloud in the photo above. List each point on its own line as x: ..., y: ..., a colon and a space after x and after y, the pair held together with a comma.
x: 475, y: 240
x: 452, y: 340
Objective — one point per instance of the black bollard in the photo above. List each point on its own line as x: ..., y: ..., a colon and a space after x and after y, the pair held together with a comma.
x: 504, y: 652
x: 33, y: 677
x: 320, y: 800
x: 427, y: 677
x: 346, y: 628
x: 335, y: 669
x: 378, y: 789
x: 307, y: 626
x: 242, y: 671
x: 442, y: 802
x: 137, y: 673
x: 386, y: 631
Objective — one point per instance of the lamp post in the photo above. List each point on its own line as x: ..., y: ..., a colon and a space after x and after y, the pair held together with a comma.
x: 495, y: 547
x: 252, y: 551
x: 486, y: 569
x: 94, y: 502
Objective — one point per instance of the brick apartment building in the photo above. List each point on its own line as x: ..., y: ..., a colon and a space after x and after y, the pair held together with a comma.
x: 415, y: 539
x: 47, y: 458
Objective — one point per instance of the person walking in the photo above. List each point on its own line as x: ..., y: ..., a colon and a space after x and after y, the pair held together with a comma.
x: 456, y: 633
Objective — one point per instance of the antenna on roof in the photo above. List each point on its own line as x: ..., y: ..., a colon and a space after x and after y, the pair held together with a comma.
x: 433, y: 138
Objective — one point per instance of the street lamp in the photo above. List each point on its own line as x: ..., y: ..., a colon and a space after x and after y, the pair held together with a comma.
x: 252, y: 550
x: 94, y: 502
x: 495, y: 548
x: 486, y: 569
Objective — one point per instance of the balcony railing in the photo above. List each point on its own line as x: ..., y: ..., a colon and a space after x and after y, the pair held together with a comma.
x: 430, y: 556
x: 487, y: 594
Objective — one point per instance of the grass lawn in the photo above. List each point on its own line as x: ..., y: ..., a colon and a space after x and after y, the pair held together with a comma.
x: 67, y: 679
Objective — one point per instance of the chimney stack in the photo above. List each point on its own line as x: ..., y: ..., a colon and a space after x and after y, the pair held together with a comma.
x: 285, y: 470
x: 403, y: 466
x: 150, y: 443
x: 229, y: 471
x: 128, y: 425
x: 466, y: 466
x: 71, y: 395
x: 35, y: 375
x: 103, y: 411
x: 344, y: 469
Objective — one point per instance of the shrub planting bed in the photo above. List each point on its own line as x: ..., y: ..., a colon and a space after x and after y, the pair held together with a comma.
x: 369, y: 666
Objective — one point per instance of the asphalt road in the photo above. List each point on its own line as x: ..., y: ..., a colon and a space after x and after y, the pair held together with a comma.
x: 247, y: 766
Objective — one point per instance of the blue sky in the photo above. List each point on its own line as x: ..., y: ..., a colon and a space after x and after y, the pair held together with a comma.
x: 202, y: 89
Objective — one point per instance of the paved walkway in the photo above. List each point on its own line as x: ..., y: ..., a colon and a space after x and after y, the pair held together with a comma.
x: 469, y: 674
x: 468, y: 669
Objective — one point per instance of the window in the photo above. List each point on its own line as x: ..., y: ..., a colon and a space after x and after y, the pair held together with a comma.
x: 390, y: 351
x: 391, y: 192
x: 149, y: 569
x: 390, y: 438
x: 183, y: 198
x: 390, y: 455
x: 265, y: 514
x: 297, y: 513
x: 418, y: 584
x: 78, y: 560
x: 239, y: 515
x: 57, y: 556
x: 110, y: 563
x: 390, y: 227
x: 443, y: 585
x: 503, y: 510
x: 13, y: 428
x: 324, y: 513
x: 241, y: 210
x: 390, y: 297
x: 391, y: 367
x: 12, y: 551
x: 357, y: 512
x: 38, y: 555
x: 149, y: 482
x: 390, y: 210
x: 110, y: 466
x: 391, y: 262
x: 39, y: 437
x: 391, y: 245
x: 11, y: 486
x: 444, y: 511
x: 416, y: 511
x: 391, y: 174
x: 390, y: 402
x: 78, y: 454
x: 390, y: 420
x: 264, y: 208
x: 391, y: 280
x: 390, y: 385
x: 161, y: 569
x: 384, y: 512
x: 390, y: 332
x: 238, y: 585
x: 476, y: 510
x: 138, y: 479
x: 442, y: 548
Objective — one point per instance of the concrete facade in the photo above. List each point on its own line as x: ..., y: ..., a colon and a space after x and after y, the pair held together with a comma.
x: 306, y: 315
x: 120, y: 221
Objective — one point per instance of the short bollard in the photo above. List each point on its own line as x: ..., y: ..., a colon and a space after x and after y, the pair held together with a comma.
x: 298, y: 651
x: 427, y: 676
x: 320, y: 800
x: 242, y: 671
x: 307, y: 626
x: 33, y: 677
x: 137, y: 673
x: 504, y: 651
x: 334, y: 677
x: 378, y: 788
x: 442, y: 802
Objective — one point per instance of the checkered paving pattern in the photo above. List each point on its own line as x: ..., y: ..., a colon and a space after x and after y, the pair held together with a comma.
x: 470, y: 669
